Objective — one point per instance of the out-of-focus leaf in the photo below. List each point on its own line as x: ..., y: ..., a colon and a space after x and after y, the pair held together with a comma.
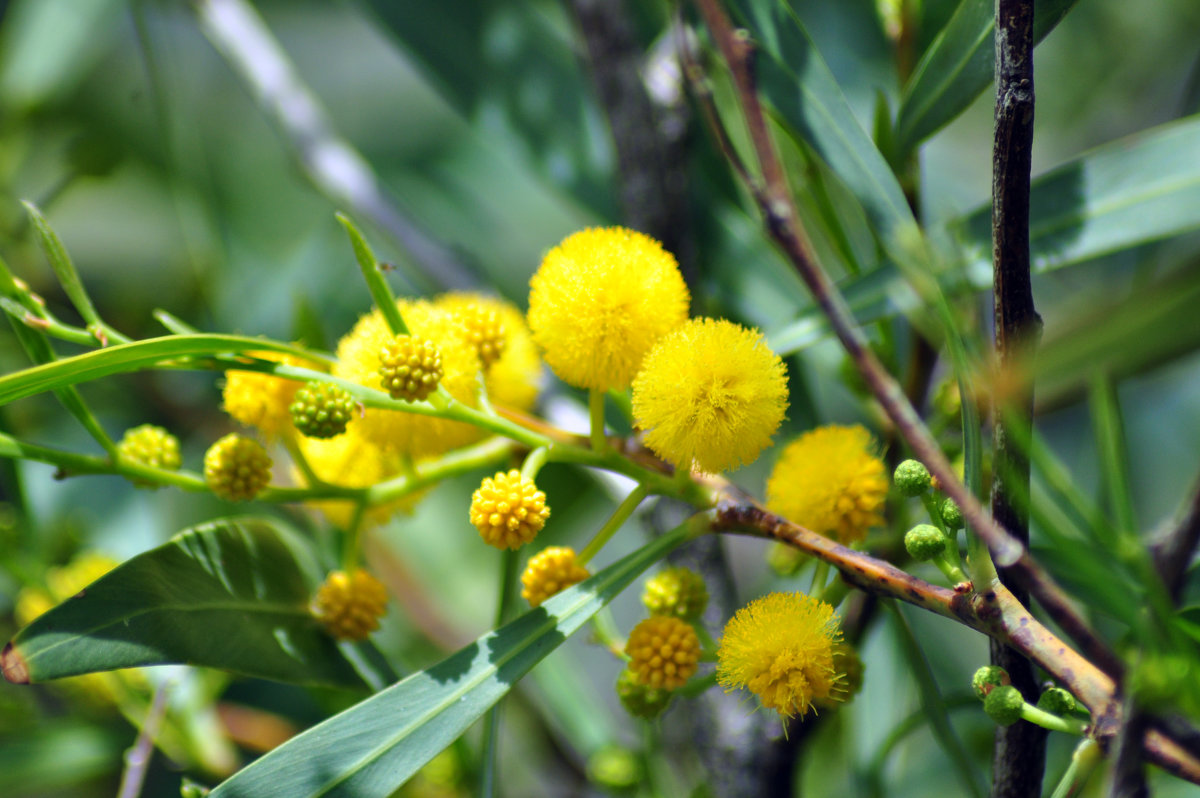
x: 958, y: 66
x: 1128, y: 192
x: 232, y: 594
x: 513, y: 69
x: 48, y: 45
x: 371, y: 749
x: 50, y: 758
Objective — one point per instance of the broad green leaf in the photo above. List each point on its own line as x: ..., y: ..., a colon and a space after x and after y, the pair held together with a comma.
x: 124, y: 358
x: 957, y: 67
x: 1128, y: 192
x: 371, y: 749
x: 231, y: 594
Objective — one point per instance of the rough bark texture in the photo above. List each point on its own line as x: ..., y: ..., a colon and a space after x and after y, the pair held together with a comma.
x: 1019, y: 755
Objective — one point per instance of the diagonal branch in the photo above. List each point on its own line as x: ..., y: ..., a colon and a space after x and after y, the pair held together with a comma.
x: 782, y: 223
x: 1173, y: 551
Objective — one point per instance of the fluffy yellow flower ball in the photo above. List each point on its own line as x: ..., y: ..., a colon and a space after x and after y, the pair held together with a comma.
x: 600, y: 300
x: 514, y: 378
x: 418, y: 436
x: 830, y: 481
x: 781, y: 647
x: 354, y: 461
x: 350, y: 605
x: 262, y: 400
x: 710, y: 395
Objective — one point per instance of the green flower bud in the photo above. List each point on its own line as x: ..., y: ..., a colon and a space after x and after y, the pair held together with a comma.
x: 236, y: 469
x: 1057, y: 701
x: 987, y: 677
x: 322, y: 410
x: 911, y: 478
x: 785, y: 560
x: 1004, y: 704
x: 676, y: 591
x: 614, y: 767
x: 638, y: 699
x: 951, y: 515
x: 924, y: 542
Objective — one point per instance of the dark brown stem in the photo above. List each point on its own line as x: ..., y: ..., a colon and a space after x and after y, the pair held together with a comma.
x: 1129, y: 769
x: 782, y: 223
x: 1173, y: 551
x: 1019, y: 754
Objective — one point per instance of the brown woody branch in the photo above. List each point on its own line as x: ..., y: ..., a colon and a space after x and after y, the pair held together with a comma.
x: 774, y: 199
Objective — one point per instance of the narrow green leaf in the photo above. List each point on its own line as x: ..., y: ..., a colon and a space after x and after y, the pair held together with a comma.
x: 371, y: 749
x: 1110, y: 443
x: 957, y: 67
x: 1128, y: 192
x: 135, y: 356
x: 381, y: 292
x: 232, y: 594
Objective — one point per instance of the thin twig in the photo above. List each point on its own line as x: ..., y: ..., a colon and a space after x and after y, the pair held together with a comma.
x: 782, y: 223
x: 137, y: 758
x: 1173, y: 551
x: 1019, y: 752
x: 1129, y: 769
x: 333, y: 165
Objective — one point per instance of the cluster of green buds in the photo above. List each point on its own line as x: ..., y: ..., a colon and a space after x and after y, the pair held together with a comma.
x: 1056, y: 709
x: 934, y: 542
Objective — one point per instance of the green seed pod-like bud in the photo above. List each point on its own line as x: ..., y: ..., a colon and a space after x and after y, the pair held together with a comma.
x: 1056, y: 701
x: 150, y: 446
x: 924, y: 542
x: 988, y: 677
x: 410, y: 368
x: 951, y: 515
x: 676, y: 591
x: 614, y: 767
x: 638, y: 699
x: 322, y: 410
x: 911, y: 478
x: 1004, y: 704
x: 237, y: 468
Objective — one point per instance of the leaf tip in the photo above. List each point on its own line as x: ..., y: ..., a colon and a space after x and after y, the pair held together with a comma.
x: 13, y: 665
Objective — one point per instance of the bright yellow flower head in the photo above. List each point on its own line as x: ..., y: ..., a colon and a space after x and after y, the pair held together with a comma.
x: 600, y: 300
x: 663, y: 651
x: 350, y: 605
x: 549, y: 572
x: 513, y: 379
x: 710, y: 395
x: 829, y: 480
x: 508, y: 510
x: 407, y: 433
x: 781, y: 647
x: 262, y: 400
x: 353, y: 461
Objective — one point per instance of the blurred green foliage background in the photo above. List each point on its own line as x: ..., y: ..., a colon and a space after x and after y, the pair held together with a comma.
x: 173, y: 190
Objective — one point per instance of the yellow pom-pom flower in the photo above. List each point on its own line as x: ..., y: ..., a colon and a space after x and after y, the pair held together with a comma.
x: 600, y: 300
x: 263, y: 400
x: 513, y: 379
x: 354, y: 461
x: 781, y: 647
x: 679, y: 592
x: 549, y: 572
x: 830, y: 481
x: 508, y: 510
x: 410, y: 368
x: 481, y: 323
x: 350, y: 605
x: 237, y: 468
x: 150, y: 446
x: 407, y: 433
x: 710, y: 395
x: 664, y: 652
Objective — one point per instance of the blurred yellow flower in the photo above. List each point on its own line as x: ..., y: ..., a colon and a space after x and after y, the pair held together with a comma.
x: 710, y: 395
x: 262, y: 400
x: 830, y: 481
x: 781, y: 647
x: 349, y: 606
x: 353, y: 461
x: 600, y: 300
x: 514, y: 378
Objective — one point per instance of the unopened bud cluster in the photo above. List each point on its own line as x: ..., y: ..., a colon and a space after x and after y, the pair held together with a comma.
x: 322, y: 410
x: 508, y: 510
x: 350, y: 605
x: 410, y: 368
x: 237, y: 468
x: 549, y: 572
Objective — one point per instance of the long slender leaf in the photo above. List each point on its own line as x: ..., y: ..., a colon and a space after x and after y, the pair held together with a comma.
x: 1125, y: 193
x: 231, y: 594
x: 371, y: 749
x: 124, y: 358
x: 958, y: 66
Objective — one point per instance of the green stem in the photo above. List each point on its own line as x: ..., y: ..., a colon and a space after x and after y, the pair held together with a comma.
x: 820, y: 576
x: 698, y: 685
x: 491, y: 733
x: 619, y: 517
x: 297, y: 454
x: 1053, y: 722
x: 381, y: 292
x: 951, y: 569
x: 607, y: 635
x: 596, y: 414
x: 1084, y: 759
x: 352, y: 542
x: 534, y: 462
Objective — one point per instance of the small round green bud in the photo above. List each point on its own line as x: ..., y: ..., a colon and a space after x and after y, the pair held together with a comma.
x: 191, y: 789
x: 987, y: 677
x: 614, y: 767
x: 638, y: 699
x: 785, y: 560
x: 1056, y: 701
x: 322, y: 410
x: 952, y: 516
x: 1004, y: 704
x: 911, y: 478
x: 676, y: 591
x: 924, y: 542
x: 150, y: 446
x: 237, y: 468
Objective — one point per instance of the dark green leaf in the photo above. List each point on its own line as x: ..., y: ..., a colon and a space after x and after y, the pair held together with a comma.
x: 957, y: 67
x: 232, y: 594
x: 371, y: 749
